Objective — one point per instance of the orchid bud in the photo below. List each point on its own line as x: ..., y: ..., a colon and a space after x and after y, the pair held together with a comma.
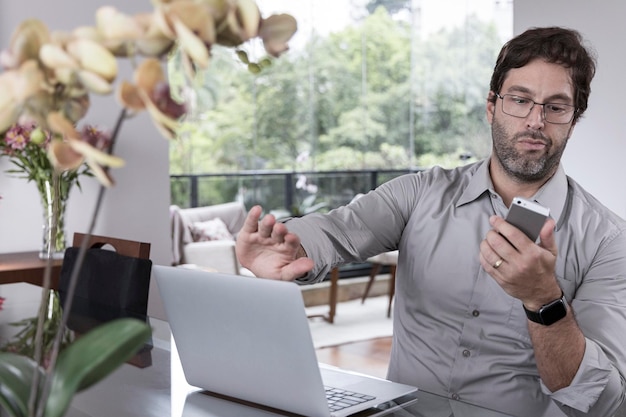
x: 37, y: 136
x: 254, y: 68
x: 243, y: 56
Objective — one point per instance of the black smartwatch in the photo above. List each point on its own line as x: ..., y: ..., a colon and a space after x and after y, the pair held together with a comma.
x: 549, y: 313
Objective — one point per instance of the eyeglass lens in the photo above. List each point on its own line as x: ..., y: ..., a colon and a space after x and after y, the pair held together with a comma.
x: 521, y: 107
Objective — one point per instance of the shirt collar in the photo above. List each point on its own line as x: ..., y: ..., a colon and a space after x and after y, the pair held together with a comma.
x: 479, y: 182
x: 553, y: 194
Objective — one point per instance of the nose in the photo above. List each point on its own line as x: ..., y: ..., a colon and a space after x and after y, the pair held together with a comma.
x: 536, y: 117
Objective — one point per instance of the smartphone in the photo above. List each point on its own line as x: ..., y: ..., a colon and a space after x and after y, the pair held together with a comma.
x: 527, y: 216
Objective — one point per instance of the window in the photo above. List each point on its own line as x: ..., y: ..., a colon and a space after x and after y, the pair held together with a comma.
x: 375, y: 84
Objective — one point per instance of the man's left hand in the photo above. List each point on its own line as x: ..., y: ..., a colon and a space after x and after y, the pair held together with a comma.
x: 524, y: 269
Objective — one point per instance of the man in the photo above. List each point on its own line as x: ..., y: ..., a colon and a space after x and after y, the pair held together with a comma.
x: 468, y: 318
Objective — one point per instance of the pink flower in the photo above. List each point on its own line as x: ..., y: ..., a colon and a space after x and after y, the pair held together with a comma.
x: 17, y: 137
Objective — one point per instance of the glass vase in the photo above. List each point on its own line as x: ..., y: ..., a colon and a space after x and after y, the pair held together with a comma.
x: 53, y: 198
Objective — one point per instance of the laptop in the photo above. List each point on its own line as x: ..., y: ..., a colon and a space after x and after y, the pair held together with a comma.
x: 249, y: 338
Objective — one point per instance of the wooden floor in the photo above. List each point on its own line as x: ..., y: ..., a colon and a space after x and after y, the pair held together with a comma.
x: 370, y: 357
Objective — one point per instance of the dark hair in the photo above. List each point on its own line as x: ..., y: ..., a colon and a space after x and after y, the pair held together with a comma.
x: 554, y: 45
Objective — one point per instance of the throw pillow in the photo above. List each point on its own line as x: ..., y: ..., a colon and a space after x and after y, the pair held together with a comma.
x: 214, y: 229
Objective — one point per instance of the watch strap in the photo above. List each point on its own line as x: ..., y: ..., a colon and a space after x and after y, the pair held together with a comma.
x: 548, y: 313
x: 533, y: 316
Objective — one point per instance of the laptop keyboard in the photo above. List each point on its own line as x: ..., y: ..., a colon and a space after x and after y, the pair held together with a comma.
x: 338, y: 398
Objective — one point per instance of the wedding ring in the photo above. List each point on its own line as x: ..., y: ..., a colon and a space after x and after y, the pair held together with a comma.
x: 498, y: 263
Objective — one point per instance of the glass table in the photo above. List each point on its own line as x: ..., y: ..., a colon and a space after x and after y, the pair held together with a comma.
x: 160, y: 389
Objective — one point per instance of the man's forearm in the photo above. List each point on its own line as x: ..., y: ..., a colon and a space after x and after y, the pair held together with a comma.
x: 559, y: 350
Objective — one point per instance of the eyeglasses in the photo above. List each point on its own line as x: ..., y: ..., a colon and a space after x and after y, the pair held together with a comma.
x: 556, y: 113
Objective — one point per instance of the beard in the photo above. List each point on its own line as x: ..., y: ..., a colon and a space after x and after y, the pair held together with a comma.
x: 528, y: 167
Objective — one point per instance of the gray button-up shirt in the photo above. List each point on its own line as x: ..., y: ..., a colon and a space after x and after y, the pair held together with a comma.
x: 456, y: 332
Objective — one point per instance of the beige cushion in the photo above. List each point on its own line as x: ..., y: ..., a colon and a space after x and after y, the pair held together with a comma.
x: 217, y: 255
x: 214, y: 229
x: 233, y: 215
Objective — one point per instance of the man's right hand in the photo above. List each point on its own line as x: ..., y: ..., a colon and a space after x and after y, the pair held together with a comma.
x: 269, y: 250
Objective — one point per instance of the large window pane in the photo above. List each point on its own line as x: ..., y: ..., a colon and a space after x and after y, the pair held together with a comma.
x: 366, y: 85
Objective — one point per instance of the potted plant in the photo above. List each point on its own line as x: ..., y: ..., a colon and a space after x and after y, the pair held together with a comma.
x: 45, y: 88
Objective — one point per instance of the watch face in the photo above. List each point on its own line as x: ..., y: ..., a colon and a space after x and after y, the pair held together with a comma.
x: 553, y: 312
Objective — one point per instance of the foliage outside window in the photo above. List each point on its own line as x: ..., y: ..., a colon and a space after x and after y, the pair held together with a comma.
x: 377, y: 94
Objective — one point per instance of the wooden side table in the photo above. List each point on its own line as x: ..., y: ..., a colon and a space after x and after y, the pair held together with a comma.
x: 27, y: 267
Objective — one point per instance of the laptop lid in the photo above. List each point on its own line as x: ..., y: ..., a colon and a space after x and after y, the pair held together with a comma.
x: 249, y: 338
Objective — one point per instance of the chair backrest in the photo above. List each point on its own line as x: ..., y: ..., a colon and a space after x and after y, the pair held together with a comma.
x: 111, y: 283
x: 124, y: 247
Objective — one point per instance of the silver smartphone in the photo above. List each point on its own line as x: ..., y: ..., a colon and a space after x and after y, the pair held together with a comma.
x: 527, y: 216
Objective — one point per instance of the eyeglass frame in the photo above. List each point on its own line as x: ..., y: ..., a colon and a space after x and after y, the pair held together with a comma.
x: 543, y: 108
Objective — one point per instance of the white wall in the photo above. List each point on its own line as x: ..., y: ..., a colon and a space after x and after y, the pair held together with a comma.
x: 595, y: 156
x: 137, y: 207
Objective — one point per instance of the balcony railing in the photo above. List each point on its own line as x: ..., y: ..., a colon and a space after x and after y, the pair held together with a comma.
x: 283, y: 192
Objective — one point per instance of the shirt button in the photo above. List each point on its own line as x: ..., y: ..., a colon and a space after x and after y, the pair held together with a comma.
x: 475, y: 313
x: 466, y: 353
x: 455, y: 397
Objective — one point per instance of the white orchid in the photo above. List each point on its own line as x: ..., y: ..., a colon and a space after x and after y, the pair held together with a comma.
x: 45, y: 93
x: 51, y: 74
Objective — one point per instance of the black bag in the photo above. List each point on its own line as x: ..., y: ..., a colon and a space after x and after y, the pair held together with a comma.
x: 109, y: 286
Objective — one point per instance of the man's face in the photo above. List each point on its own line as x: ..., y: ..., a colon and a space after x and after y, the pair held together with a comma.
x: 529, y: 148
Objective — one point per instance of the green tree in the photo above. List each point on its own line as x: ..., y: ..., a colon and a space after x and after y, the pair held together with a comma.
x: 347, y: 100
x: 392, y: 6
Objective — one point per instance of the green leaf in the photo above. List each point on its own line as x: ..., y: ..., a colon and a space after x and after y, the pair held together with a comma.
x: 89, y: 359
x: 16, y: 374
x: 92, y: 357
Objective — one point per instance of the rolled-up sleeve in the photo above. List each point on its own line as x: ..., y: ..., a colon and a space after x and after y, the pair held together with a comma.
x: 595, y: 387
x: 599, y: 305
x: 315, y: 245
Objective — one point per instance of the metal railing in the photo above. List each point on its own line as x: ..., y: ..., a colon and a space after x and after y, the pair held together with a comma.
x: 284, y: 193
x: 291, y: 192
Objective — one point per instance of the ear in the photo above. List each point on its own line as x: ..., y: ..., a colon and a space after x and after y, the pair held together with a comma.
x: 570, y: 131
x: 491, y: 106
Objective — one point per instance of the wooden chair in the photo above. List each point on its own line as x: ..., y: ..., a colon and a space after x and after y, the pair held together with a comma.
x: 332, y: 297
x: 124, y: 247
x: 91, y: 307
x: 389, y: 259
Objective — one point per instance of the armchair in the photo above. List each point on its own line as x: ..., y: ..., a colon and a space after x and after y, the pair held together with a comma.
x: 205, y: 236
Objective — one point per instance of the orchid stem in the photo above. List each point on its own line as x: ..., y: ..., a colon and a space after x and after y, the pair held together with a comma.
x: 43, y: 399
x: 116, y: 130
